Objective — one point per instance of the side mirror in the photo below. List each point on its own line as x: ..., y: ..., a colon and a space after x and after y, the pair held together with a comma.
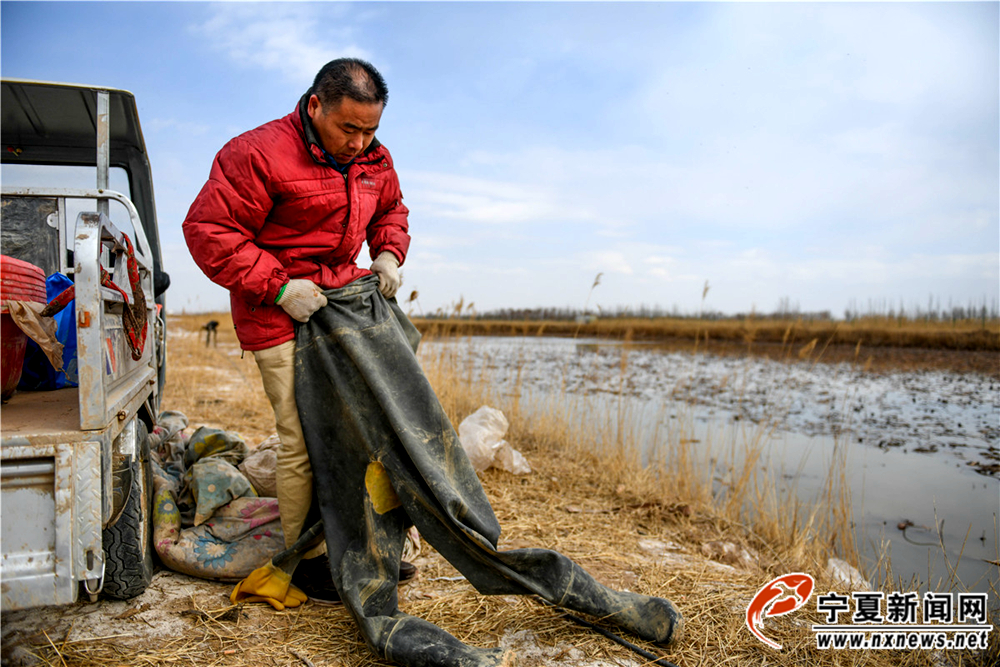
x: 161, y: 281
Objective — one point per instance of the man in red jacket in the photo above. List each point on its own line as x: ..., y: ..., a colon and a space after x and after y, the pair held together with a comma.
x: 283, y: 216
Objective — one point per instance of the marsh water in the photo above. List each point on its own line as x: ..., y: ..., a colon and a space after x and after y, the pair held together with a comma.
x: 918, y: 448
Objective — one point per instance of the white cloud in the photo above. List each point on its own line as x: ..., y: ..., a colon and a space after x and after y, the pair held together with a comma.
x: 876, y: 112
x: 295, y: 39
x: 763, y: 158
x: 182, y: 127
x: 659, y: 272
x: 608, y: 261
x: 442, y: 241
x: 435, y: 263
x: 481, y: 200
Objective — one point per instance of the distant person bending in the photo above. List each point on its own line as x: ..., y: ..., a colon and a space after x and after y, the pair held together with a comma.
x: 283, y: 216
x: 211, y: 332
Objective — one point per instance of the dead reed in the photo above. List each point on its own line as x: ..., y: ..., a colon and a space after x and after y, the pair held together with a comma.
x: 651, y: 526
x: 215, y: 382
x: 878, y: 344
x: 871, y: 332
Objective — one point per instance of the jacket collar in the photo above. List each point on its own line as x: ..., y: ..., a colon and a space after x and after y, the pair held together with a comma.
x: 312, y: 143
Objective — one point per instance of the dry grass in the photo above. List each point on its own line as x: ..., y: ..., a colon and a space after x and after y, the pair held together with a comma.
x: 870, y: 332
x: 876, y: 343
x: 215, y: 385
x: 642, y: 528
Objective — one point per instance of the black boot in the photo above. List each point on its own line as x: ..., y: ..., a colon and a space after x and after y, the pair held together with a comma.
x: 654, y: 619
x: 313, y: 577
x: 406, y: 571
x: 414, y: 642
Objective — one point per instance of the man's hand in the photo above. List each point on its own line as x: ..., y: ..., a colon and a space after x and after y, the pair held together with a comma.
x: 386, y: 267
x: 300, y: 299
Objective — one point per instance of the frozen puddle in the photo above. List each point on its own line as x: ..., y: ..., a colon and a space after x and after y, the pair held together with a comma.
x: 921, y: 446
x: 925, y: 412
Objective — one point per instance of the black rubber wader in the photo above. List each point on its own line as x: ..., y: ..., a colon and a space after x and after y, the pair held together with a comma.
x: 363, y: 398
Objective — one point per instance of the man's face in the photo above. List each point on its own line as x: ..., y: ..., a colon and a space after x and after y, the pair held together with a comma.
x: 345, y: 130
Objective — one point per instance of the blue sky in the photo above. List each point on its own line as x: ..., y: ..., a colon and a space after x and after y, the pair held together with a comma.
x: 819, y: 152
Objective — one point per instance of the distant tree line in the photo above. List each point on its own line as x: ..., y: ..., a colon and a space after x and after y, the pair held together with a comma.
x: 627, y: 312
x: 932, y: 312
x: 785, y: 310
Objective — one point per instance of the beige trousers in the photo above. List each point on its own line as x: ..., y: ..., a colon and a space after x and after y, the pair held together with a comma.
x: 294, y: 474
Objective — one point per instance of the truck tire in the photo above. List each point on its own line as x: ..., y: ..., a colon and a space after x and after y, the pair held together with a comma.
x: 128, y: 543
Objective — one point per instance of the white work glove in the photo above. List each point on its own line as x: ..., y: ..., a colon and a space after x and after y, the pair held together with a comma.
x: 386, y: 267
x: 301, y: 299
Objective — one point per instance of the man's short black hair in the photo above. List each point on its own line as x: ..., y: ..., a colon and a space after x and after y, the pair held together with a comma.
x: 353, y: 78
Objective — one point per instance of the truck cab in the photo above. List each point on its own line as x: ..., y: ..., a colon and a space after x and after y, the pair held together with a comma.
x: 77, y: 199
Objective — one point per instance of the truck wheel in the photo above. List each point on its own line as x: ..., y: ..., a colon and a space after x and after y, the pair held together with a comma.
x: 128, y: 552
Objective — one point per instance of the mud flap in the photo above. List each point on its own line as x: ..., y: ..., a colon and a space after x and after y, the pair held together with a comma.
x: 363, y: 399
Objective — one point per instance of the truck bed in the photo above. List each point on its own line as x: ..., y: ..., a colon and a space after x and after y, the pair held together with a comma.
x: 45, y: 416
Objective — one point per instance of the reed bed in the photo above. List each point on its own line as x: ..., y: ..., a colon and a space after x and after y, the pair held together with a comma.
x: 877, y: 344
x: 646, y: 526
x: 869, y: 332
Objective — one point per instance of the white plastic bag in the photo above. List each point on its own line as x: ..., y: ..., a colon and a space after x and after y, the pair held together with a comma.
x: 511, y: 460
x: 481, y: 435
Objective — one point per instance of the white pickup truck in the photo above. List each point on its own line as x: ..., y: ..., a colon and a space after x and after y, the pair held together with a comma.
x: 76, y: 489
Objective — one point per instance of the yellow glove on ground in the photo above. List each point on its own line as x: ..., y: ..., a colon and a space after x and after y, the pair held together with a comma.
x: 268, y: 584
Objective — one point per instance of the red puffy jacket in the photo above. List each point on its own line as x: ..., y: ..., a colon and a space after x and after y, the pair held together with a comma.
x: 273, y: 209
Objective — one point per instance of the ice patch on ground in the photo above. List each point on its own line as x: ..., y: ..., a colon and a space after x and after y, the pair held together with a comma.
x: 529, y: 652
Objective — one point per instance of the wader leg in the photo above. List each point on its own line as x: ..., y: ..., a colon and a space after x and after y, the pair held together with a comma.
x: 654, y: 619
x: 548, y: 574
x: 368, y: 577
x: 414, y: 642
x: 557, y: 579
x: 363, y: 399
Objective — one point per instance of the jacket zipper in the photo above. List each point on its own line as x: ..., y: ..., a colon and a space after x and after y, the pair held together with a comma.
x: 347, y: 186
x: 350, y: 189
